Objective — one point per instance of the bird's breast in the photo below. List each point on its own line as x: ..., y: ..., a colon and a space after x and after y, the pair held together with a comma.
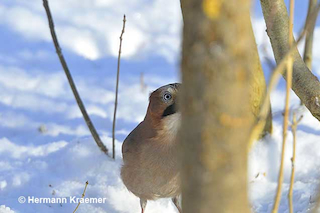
x: 170, y: 127
x: 152, y: 170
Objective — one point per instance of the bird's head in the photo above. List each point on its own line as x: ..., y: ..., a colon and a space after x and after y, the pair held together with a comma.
x: 163, y: 102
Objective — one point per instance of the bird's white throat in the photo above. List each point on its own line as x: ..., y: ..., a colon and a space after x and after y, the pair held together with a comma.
x: 172, y: 124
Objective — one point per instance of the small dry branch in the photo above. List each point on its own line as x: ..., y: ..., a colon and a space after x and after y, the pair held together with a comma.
x: 286, y: 111
x: 307, y: 57
x: 83, y: 194
x: 63, y: 62
x: 117, y: 87
x: 294, y: 125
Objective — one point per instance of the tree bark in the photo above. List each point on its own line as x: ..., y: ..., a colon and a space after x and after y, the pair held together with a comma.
x: 215, y: 105
x: 304, y: 83
x: 258, y: 87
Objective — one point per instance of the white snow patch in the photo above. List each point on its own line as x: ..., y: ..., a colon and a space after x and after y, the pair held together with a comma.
x: 19, y: 151
x: 4, y: 209
x: 92, y: 28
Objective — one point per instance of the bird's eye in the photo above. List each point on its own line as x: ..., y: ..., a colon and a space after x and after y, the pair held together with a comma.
x: 167, y: 96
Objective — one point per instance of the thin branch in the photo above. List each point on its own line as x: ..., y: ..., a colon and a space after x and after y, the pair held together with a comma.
x: 304, y: 83
x: 279, y: 70
x: 286, y: 111
x: 83, y: 194
x: 295, y: 123
x: 117, y: 87
x: 307, y: 57
x: 86, y: 117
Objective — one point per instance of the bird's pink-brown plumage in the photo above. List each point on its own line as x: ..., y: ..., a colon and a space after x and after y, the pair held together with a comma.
x: 150, y: 166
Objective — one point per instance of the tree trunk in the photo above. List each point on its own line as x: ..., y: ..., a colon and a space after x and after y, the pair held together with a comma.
x: 215, y: 105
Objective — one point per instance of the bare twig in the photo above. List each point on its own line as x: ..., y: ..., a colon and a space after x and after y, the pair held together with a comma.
x: 286, y: 112
x: 117, y: 86
x: 307, y: 57
x: 294, y: 125
x: 83, y: 194
x: 312, y: 18
x: 86, y: 117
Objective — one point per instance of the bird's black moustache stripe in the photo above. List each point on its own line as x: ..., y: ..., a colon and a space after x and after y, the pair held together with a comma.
x: 169, y: 110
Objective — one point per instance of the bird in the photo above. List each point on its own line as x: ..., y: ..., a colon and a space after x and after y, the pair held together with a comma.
x: 150, y: 167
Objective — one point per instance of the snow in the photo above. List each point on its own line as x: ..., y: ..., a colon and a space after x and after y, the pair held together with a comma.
x: 60, y: 169
x: 78, y: 33
x: 264, y: 162
x: 46, y: 150
x: 4, y: 209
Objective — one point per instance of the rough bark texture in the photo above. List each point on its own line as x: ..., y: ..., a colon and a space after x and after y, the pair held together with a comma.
x: 304, y: 83
x: 215, y: 105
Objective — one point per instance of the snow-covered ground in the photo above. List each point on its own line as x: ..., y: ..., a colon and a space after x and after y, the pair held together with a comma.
x: 45, y: 148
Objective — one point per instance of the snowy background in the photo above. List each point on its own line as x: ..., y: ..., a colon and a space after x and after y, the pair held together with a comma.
x: 45, y: 147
